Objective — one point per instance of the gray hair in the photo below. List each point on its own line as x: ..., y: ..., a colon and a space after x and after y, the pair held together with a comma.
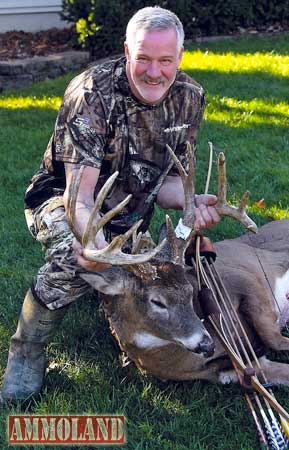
x: 154, y: 18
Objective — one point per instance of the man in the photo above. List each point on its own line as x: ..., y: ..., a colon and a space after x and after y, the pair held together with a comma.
x: 116, y: 116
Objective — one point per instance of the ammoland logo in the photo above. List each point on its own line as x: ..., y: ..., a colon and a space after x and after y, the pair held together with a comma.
x: 63, y: 430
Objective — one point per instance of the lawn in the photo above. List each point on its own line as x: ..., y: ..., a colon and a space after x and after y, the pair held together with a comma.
x: 246, y: 80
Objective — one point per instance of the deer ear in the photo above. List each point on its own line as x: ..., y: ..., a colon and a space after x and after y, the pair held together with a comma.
x: 109, y: 282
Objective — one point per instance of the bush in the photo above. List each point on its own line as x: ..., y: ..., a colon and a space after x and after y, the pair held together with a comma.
x: 101, y: 24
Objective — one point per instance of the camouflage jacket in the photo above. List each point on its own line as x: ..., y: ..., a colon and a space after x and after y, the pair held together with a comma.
x: 101, y: 124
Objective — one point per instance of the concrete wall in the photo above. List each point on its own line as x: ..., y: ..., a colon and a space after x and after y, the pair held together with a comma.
x: 30, y: 15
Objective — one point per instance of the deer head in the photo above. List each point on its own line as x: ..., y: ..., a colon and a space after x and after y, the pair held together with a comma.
x: 149, y: 297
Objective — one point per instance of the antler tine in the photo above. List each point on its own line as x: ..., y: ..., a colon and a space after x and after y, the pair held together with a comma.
x: 180, y: 238
x: 118, y: 241
x: 95, y: 222
x: 98, y: 222
x: 178, y: 241
x: 142, y: 242
x: 222, y: 206
x: 222, y: 179
x: 136, y: 240
x: 188, y: 184
x: 72, y: 197
x: 244, y: 201
x: 182, y: 172
x: 189, y: 216
x: 112, y: 254
x: 171, y: 237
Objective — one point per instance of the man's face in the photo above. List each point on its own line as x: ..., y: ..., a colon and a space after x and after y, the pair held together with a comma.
x: 152, y: 62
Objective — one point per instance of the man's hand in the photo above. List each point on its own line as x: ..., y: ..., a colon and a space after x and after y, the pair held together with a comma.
x: 206, y: 214
x: 91, y: 266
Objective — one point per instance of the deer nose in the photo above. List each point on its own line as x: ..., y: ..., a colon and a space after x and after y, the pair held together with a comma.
x: 199, y: 342
x: 206, y: 346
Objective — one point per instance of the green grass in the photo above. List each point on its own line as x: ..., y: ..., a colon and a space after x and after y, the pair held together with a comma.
x: 246, y: 80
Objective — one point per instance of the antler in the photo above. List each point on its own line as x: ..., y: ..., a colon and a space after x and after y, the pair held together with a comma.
x: 180, y: 238
x: 112, y: 254
x: 188, y: 180
x: 238, y: 213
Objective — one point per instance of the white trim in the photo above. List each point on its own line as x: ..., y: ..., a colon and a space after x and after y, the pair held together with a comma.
x: 29, y: 3
x: 32, y: 10
x: 30, y: 15
x: 29, y: 6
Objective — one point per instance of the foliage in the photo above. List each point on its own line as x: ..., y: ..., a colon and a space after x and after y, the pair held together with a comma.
x: 101, y: 24
x: 246, y: 80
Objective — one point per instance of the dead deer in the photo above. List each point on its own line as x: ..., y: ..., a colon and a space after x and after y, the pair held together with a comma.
x: 150, y: 299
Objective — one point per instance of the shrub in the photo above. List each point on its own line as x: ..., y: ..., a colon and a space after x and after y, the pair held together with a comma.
x: 101, y: 24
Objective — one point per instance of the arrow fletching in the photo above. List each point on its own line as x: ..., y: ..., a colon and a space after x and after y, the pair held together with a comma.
x: 275, y: 437
x: 285, y: 428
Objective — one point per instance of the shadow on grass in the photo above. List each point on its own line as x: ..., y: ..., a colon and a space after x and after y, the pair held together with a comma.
x: 87, y: 376
x: 158, y: 413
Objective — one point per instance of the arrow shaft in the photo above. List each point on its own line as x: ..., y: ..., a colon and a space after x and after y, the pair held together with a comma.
x: 241, y: 366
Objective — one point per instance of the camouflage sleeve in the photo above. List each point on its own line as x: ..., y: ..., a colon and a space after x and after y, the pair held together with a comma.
x: 80, y: 132
x: 193, y: 116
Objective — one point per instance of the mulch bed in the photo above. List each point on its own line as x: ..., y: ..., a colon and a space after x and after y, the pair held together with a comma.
x: 21, y: 44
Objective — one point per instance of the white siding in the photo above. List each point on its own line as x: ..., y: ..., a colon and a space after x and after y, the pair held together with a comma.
x: 30, y: 15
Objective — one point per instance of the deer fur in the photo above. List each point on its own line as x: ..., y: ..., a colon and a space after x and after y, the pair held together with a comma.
x: 158, y: 322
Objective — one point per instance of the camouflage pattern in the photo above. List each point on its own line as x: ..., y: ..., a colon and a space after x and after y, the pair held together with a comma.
x: 57, y: 283
x: 101, y: 124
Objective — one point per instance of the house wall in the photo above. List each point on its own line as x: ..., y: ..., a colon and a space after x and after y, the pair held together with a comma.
x: 30, y: 15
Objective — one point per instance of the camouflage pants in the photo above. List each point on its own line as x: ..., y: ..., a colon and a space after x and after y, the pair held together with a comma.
x: 56, y: 283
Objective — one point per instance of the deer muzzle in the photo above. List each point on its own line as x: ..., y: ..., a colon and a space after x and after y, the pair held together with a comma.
x: 199, y: 342
x: 206, y: 347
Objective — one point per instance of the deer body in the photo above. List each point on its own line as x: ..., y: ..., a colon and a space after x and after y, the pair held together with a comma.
x: 152, y: 300
x: 260, y: 263
x: 173, y: 344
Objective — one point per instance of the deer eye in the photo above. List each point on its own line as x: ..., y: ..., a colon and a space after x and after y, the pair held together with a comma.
x: 159, y: 304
